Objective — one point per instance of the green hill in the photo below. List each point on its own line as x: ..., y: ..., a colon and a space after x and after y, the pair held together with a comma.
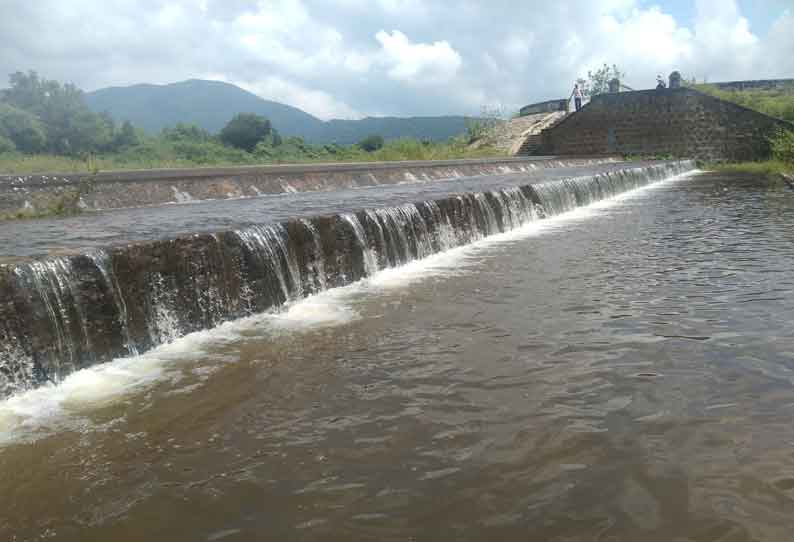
x: 210, y: 104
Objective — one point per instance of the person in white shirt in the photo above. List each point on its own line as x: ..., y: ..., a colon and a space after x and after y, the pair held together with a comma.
x: 577, y: 96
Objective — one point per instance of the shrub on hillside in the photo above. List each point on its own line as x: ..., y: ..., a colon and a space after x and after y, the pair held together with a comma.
x: 480, y: 127
x: 775, y: 103
x: 597, y: 82
x: 185, y: 132
x: 22, y: 128
x: 69, y: 126
x: 372, y: 143
x: 782, y: 144
x: 245, y: 131
x: 126, y: 137
x: 6, y: 145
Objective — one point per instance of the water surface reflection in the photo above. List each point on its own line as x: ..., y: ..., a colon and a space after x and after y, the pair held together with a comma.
x: 621, y: 376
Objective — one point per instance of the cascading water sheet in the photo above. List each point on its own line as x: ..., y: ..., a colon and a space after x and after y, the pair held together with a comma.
x: 70, y: 312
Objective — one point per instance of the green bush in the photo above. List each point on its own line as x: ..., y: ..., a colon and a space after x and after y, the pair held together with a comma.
x: 245, y: 131
x: 23, y: 128
x: 782, y: 145
x: 478, y: 128
x: 372, y: 143
x: 69, y: 125
x: 775, y: 103
x: 126, y: 137
x: 185, y: 132
x: 6, y: 145
x: 161, y: 153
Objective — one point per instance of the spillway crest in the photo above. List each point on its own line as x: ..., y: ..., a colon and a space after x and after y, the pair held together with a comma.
x: 63, y: 314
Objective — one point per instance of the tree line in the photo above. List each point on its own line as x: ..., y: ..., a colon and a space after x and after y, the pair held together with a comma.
x: 42, y: 116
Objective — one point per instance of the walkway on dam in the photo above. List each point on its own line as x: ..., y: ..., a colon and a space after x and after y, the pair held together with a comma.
x: 520, y: 136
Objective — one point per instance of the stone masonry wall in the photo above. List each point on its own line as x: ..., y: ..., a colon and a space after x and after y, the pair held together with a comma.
x: 677, y: 122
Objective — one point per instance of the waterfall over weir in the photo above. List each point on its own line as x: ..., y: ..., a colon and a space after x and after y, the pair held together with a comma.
x: 63, y: 314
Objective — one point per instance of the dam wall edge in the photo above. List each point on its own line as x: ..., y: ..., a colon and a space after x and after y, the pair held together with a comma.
x: 31, y: 194
x: 63, y: 314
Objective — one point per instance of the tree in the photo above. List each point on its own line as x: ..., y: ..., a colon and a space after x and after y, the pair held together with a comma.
x: 480, y: 127
x: 597, y: 82
x: 22, y: 128
x: 245, y: 130
x: 127, y: 136
x: 186, y: 132
x: 277, y: 140
x: 371, y: 143
x: 26, y: 91
x: 783, y: 145
x: 70, y: 126
x: 6, y: 145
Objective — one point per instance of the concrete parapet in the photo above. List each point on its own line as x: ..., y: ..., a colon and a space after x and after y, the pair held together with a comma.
x: 544, y: 107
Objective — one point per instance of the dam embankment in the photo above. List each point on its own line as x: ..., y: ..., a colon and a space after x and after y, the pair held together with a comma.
x: 61, y: 314
x: 120, y: 189
x: 678, y: 122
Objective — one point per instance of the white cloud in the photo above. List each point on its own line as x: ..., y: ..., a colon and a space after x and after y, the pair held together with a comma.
x: 419, y: 64
x: 518, y: 46
x: 405, y: 57
x: 415, y: 8
x: 316, y: 102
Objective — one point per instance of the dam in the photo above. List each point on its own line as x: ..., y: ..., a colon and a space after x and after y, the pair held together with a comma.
x: 598, y: 348
x: 129, y: 280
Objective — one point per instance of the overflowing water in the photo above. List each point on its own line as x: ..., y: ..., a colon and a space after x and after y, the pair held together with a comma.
x: 519, y: 364
x: 70, y: 312
x: 24, y: 239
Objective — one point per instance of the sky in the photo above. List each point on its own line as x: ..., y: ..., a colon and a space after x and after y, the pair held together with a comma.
x: 356, y: 58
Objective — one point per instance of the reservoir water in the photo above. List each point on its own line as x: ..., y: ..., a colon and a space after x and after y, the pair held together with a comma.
x: 620, y: 372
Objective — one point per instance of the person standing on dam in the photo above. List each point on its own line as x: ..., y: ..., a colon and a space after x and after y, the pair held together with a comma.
x: 577, y: 96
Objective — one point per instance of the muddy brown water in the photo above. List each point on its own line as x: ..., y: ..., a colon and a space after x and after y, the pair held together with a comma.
x: 622, y: 373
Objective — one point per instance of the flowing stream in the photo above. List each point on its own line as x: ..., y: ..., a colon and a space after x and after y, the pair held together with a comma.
x: 586, y: 360
x: 65, y: 313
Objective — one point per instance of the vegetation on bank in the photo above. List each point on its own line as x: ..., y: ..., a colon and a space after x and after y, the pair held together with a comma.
x: 778, y: 103
x: 766, y: 168
x: 156, y: 153
x: 780, y: 163
x: 210, y: 104
x: 45, y: 126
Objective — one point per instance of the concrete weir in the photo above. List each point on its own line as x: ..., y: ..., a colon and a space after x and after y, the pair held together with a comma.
x: 118, y: 189
x: 61, y: 314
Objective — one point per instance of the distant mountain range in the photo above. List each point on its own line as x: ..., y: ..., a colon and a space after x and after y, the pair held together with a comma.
x: 210, y: 104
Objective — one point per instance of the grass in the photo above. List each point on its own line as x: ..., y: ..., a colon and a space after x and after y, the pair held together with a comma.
x: 159, y: 154
x: 775, y: 103
x: 768, y: 168
x: 780, y: 164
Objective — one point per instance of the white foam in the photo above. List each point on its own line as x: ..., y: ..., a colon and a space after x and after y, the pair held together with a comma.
x: 53, y: 407
x: 456, y: 260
